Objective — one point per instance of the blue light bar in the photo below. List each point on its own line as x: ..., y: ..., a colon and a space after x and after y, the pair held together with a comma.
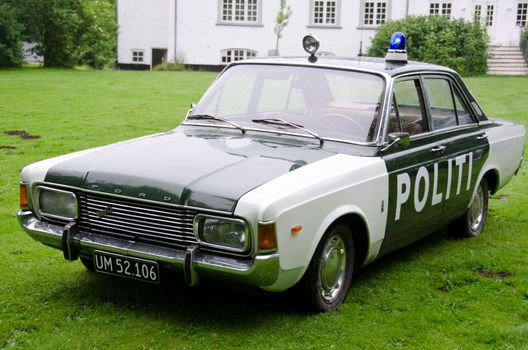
x: 397, y: 42
x: 397, y: 52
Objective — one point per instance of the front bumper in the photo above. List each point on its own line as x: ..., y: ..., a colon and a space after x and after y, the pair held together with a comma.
x: 260, y: 271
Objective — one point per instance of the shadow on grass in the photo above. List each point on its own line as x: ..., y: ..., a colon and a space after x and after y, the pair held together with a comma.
x: 210, y: 303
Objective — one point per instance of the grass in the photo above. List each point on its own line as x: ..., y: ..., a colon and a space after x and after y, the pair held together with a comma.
x: 440, y: 293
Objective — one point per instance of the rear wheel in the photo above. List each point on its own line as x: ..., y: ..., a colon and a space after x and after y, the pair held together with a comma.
x: 326, y: 281
x: 472, y: 223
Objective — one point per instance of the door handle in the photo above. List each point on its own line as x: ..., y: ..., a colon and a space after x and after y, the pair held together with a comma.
x: 438, y: 149
x: 482, y: 137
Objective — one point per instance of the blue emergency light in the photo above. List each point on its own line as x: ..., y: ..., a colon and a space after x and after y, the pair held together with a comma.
x: 397, y: 51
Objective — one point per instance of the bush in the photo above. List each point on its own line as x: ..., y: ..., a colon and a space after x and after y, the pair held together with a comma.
x: 177, y: 67
x: 454, y: 43
x: 10, y: 34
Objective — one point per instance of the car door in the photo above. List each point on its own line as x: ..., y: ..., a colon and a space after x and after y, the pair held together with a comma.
x: 462, y: 147
x: 412, y: 169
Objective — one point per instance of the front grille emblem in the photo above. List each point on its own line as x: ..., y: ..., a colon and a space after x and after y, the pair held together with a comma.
x: 104, y: 212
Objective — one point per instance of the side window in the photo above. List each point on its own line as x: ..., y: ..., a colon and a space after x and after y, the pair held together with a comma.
x: 447, y: 109
x: 407, y: 110
x: 462, y: 112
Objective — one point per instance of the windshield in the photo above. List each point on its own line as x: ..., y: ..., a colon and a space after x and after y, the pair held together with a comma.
x: 331, y: 103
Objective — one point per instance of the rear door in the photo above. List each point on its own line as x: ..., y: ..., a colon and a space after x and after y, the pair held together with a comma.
x: 462, y: 148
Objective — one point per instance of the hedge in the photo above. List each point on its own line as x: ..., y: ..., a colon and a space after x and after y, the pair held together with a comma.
x: 457, y: 44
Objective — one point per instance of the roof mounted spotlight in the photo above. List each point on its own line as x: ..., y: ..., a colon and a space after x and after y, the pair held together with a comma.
x: 397, y: 51
x: 311, y: 45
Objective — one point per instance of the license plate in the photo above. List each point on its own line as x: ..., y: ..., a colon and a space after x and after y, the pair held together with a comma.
x: 125, y: 266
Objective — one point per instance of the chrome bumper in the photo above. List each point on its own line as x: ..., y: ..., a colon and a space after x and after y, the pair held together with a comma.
x: 260, y: 271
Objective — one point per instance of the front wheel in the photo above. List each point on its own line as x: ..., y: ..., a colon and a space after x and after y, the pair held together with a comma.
x: 326, y: 281
x: 472, y: 223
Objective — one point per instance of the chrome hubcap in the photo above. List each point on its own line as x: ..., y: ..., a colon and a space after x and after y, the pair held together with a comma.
x: 476, y: 211
x: 332, y: 269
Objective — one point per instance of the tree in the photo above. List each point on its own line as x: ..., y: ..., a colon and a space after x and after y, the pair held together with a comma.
x: 457, y: 44
x: 53, y: 25
x: 10, y: 37
x: 282, y: 20
x: 97, y: 33
x: 69, y: 32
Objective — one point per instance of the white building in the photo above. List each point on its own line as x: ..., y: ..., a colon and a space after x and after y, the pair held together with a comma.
x: 215, y: 32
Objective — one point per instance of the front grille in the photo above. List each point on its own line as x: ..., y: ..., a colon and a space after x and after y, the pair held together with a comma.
x: 136, y: 221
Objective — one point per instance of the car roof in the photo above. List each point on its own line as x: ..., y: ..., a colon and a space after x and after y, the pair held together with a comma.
x: 375, y: 64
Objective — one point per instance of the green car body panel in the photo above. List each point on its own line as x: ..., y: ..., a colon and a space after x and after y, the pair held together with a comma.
x: 197, y: 168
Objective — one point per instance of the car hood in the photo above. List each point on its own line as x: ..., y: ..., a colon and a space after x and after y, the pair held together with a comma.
x: 200, y: 167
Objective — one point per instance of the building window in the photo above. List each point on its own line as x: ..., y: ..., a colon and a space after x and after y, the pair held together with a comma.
x: 477, y: 13
x: 137, y: 56
x: 489, y: 15
x: 440, y: 9
x: 325, y: 12
x: 374, y: 13
x: 243, y: 11
x: 232, y: 55
x: 522, y: 12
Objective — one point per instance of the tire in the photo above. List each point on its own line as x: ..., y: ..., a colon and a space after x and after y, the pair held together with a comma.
x: 471, y: 224
x: 88, y: 263
x: 325, y: 284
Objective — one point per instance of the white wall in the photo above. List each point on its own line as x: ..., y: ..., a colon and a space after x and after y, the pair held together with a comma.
x: 143, y: 24
x: 146, y: 24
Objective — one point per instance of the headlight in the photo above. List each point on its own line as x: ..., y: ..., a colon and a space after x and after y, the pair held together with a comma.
x: 219, y: 232
x: 57, y: 204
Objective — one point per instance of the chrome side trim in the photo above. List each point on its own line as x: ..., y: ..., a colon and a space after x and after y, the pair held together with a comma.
x: 260, y: 271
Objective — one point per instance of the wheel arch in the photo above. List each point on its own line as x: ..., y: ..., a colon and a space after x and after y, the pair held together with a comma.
x: 492, y: 179
x: 355, y: 220
x: 357, y: 225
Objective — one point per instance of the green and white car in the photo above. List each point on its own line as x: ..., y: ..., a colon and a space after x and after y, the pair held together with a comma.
x: 289, y: 171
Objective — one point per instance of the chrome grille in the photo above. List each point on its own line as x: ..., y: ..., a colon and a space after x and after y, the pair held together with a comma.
x: 139, y: 222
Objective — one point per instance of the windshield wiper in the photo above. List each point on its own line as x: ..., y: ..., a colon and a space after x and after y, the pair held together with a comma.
x: 280, y: 121
x: 214, y: 117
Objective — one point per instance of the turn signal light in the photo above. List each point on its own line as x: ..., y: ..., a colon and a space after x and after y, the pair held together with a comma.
x: 267, y: 239
x: 24, y: 202
x: 296, y: 229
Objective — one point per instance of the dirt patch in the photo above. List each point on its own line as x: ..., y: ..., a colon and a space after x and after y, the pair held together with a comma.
x: 7, y: 147
x: 23, y: 134
x: 496, y: 275
x: 502, y: 197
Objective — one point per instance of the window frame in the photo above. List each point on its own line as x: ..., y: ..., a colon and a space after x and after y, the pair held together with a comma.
x: 247, y: 53
x: 477, y: 13
x: 337, y: 17
x: 442, y: 8
x: 488, y: 20
x: 463, y: 99
x: 428, y: 121
x: 522, y: 18
x: 139, y: 54
x: 363, y: 12
x: 421, y: 99
x: 235, y: 22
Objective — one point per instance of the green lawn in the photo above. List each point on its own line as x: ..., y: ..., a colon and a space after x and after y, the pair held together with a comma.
x: 441, y: 293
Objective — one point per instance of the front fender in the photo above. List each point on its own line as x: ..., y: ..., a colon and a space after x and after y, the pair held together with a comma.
x: 314, y: 197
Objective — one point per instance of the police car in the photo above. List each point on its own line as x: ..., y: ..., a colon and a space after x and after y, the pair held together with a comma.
x: 288, y: 172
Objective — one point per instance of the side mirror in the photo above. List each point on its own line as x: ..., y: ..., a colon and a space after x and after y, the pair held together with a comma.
x: 191, y: 109
x: 398, y: 138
